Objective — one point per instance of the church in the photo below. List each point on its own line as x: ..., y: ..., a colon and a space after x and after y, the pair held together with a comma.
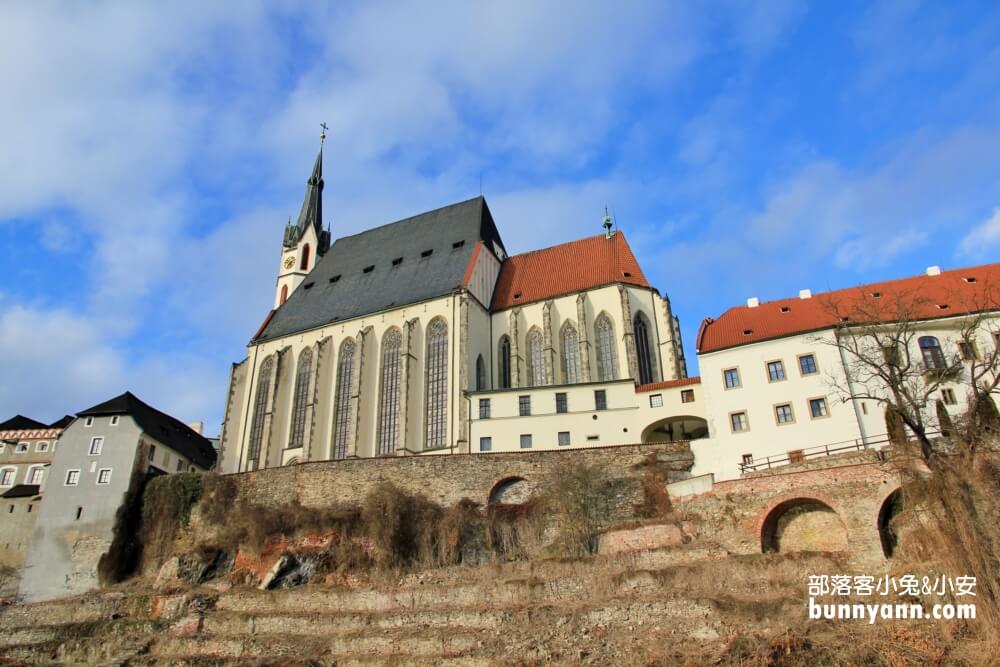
x: 423, y: 336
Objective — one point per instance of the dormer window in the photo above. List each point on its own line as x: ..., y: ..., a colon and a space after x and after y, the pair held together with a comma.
x: 627, y: 274
x: 457, y: 244
x: 517, y: 295
x: 942, y: 306
x: 426, y: 253
x: 876, y: 295
x: 747, y: 332
x: 969, y: 279
x: 845, y: 318
x: 785, y: 309
x: 369, y: 269
x: 335, y: 278
x: 397, y: 261
x: 308, y: 285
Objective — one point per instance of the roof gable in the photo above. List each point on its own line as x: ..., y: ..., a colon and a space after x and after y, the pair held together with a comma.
x: 412, y: 260
x: 158, y: 425
x: 563, y: 269
x: 743, y: 325
x: 21, y: 423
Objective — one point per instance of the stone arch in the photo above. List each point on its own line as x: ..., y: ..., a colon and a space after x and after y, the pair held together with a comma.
x: 675, y: 428
x: 293, y: 461
x: 512, y: 490
x: 890, y: 508
x: 802, y: 524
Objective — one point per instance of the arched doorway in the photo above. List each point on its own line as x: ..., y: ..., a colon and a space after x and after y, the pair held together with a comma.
x: 891, y: 508
x: 802, y: 524
x: 673, y: 429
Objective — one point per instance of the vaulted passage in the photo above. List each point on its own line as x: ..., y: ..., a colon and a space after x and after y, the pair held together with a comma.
x: 803, y: 524
x: 887, y: 533
x: 674, y: 429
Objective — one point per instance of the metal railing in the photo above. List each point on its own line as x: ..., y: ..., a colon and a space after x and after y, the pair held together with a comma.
x: 802, y: 455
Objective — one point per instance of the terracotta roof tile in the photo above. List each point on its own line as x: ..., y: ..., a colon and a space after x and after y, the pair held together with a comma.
x: 961, y: 290
x: 567, y: 268
x: 683, y: 382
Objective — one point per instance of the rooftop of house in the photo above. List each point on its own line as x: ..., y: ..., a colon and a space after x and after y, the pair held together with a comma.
x: 571, y: 267
x: 932, y: 295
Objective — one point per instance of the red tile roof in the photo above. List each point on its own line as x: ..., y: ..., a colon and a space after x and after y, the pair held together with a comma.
x: 683, y: 382
x: 567, y: 268
x: 775, y: 319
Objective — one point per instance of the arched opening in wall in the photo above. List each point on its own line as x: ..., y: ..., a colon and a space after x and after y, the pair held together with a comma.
x: 304, y: 264
x: 480, y: 373
x: 644, y: 354
x: 284, y: 294
x: 504, y: 362
x: 511, y: 491
x: 803, y: 524
x: 293, y: 461
x: 674, y: 429
x: 891, y: 508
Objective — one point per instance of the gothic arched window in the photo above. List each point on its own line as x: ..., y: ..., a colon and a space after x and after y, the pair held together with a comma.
x: 480, y: 373
x: 642, y: 350
x: 342, y: 399
x: 504, y: 362
x: 607, y: 362
x: 437, y: 384
x: 284, y: 294
x: 300, y: 400
x: 388, y: 400
x: 259, y: 412
x: 930, y: 348
x: 304, y: 266
x: 570, y: 346
x: 536, y: 363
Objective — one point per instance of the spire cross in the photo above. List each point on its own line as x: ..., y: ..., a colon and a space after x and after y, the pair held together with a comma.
x: 322, y: 135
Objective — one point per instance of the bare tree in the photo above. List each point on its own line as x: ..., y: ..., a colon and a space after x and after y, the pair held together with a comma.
x: 889, y: 359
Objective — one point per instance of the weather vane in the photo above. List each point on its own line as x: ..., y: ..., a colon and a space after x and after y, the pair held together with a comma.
x: 322, y: 135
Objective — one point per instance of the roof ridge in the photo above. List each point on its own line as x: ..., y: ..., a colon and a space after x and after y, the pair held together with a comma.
x: 564, y: 243
x: 869, y: 284
x: 408, y: 218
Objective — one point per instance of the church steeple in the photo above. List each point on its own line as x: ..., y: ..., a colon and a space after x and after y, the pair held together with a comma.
x: 305, y: 241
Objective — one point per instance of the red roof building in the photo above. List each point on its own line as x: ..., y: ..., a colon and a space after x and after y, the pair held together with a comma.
x: 936, y: 294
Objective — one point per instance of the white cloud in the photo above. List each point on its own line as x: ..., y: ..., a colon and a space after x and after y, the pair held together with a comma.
x: 983, y: 238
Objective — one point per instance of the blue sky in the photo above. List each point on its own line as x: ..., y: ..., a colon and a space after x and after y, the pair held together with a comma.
x: 152, y: 153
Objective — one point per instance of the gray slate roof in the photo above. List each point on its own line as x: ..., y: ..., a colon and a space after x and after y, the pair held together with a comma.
x: 324, y: 297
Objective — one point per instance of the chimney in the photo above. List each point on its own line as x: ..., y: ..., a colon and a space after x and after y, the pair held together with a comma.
x: 197, y: 427
x: 753, y: 302
x: 934, y: 270
x: 805, y: 294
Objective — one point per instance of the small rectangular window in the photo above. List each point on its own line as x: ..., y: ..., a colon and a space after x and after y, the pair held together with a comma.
x: 738, y: 422
x: 104, y: 476
x: 152, y: 453
x: 35, y: 477
x: 79, y: 513
x: 593, y: 438
x: 22, y: 448
x: 731, y: 377
x: 807, y: 364
x: 72, y: 477
x: 687, y: 395
x: 42, y: 446
x: 96, y: 445
x: 656, y: 401
x: 524, y: 406
x: 775, y: 371
x: 562, y: 406
x: 948, y: 396
x: 600, y: 399
x: 368, y: 269
x: 817, y: 407
x: 88, y: 422
x: 796, y: 456
x: 427, y: 253
x: 968, y: 350
x: 783, y: 413
x: 484, y: 408
x: 457, y: 244
x: 525, y: 441
x: 485, y: 444
x: 563, y: 438
x: 397, y: 261
x: 7, y: 477
x: 114, y: 420
x: 747, y: 459
x: 864, y: 407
